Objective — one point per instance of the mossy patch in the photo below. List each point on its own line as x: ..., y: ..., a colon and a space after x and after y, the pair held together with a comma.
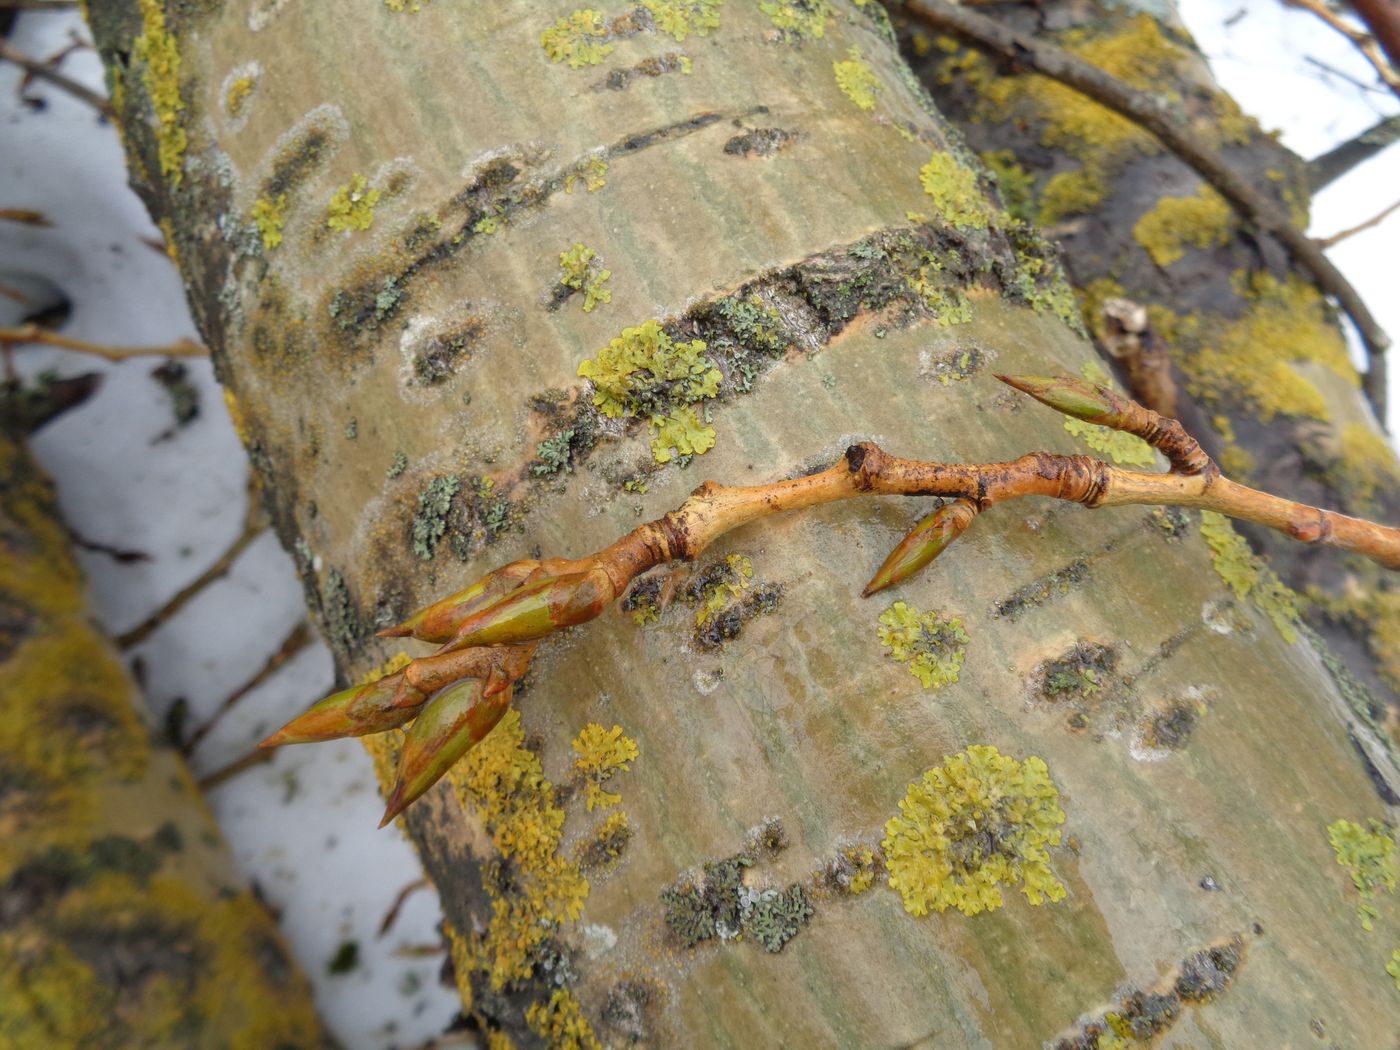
x: 979, y: 821
x: 1247, y: 576
x: 725, y: 598
x: 857, y: 80
x: 801, y: 19
x: 1070, y: 193
x: 957, y: 198
x: 1368, y: 855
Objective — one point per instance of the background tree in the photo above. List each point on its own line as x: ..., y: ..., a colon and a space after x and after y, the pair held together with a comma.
x: 767, y: 181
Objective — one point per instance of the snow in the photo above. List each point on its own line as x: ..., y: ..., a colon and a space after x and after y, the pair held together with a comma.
x: 303, y: 827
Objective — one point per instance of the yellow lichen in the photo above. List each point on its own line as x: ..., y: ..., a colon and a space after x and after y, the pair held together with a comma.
x: 270, y: 215
x: 857, y: 80
x: 237, y: 94
x: 591, y: 173
x: 680, y: 18
x: 1017, y: 185
x: 1369, y: 858
x: 155, y: 48
x: 979, y: 821
x: 503, y: 781
x: 932, y: 645
x: 602, y: 753
x: 723, y: 591
x: 579, y: 39
x: 561, y: 1023
x: 1070, y: 193
x: 1367, y: 462
x: 1250, y: 357
x: 1205, y: 220
x: 956, y: 195
x: 1235, y: 460
x: 352, y: 205
x: 644, y: 373
x: 802, y: 18
x: 584, y: 273
x: 411, y: 6
x: 1247, y: 576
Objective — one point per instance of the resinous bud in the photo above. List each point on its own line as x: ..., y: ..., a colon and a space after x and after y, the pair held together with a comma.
x: 537, y: 609
x: 441, y: 620
x: 1073, y: 397
x: 451, y: 723
x: 926, y: 541
x: 361, y: 709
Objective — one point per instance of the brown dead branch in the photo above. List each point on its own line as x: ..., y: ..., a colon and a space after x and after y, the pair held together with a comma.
x: 1155, y: 114
x: 296, y: 640
x: 32, y: 333
x: 1341, y: 235
x: 43, y: 71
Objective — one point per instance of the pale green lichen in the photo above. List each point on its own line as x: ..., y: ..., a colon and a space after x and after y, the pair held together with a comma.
x: 1121, y: 447
x: 980, y: 821
x: 857, y: 80
x: 679, y: 20
x: 583, y: 272
x: 1369, y: 858
x: 1247, y: 576
x: 932, y: 645
x: 953, y: 187
x: 1017, y: 185
x: 1393, y: 967
x: 579, y: 39
x: 430, y: 523
x: 802, y: 18
x: 644, y: 373
x: 157, y: 50
x: 1205, y: 220
x: 352, y: 205
x: 270, y: 215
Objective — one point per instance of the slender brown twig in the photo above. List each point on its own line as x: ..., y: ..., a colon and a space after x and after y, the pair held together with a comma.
x: 32, y: 333
x: 1155, y: 114
x: 1382, y: 18
x: 408, y: 891
x: 1327, y: 168
x: 221, y: 776
x: 488, y: 631
x: 1365, y: 43
x: 27, y: 216
x: 44, y: 71
x: 1374, y: 220
x: 253, y: 524
x: 297, y: 639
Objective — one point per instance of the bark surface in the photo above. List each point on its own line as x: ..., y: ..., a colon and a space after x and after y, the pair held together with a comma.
x: 122, y: 920
x: 777, y: 188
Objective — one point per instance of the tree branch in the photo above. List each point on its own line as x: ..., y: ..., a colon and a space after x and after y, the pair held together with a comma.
x: 1341, y: 235
x: 1154, y: 114
x: 44, y: 71
x: 489, y: 631
x: 1382, y: 18
x: 32, y: 333
x: 1365, y: 43
x: 1327, y: 168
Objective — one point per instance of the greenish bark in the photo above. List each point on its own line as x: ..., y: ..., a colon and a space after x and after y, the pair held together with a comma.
x: 777, y: 188
x: 122, y: 920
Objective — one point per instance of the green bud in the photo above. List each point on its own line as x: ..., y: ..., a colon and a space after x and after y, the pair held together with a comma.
x: 441, y: 620
x: 1073, y: 397
x: 928, y: 539
x: 537, y: 609
x: 451, y: 723
x: 361, y: 709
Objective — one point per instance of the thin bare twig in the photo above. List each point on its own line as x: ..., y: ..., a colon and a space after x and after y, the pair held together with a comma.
x: 43, y: 71
x: 1328, y: 167
x: 1382, y: 18
x: 27, y: 216
x: 1365, y: 44
x: 32, y: 333
x: 253, y: 524
x: 296, y: 640
x: 1374, y: 220
x: 1155, y: 114
x: 392, y: 915
x: 233, y: 769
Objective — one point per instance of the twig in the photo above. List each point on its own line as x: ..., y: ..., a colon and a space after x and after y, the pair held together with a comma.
x: 233, y: 769
x: 490, y: 629
x: 1155, y: 114
x: 297, y: 639
x: 27, y: 216
x: 1363, y: 41
x: 35, y: 68
x: 253, y: 525
x: 1379, y: 89
x: 1382, y: 18
x: 32, y: 333
x: 1328, y: 167
x: 393, y: 914
x: 1374, y: 220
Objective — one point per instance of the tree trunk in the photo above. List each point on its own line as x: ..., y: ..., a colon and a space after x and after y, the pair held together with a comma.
x: 122, y: 921
x: 402, y: 355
